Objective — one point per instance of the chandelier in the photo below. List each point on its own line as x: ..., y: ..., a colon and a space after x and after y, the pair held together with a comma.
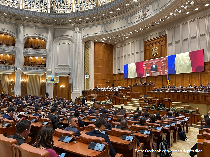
x: 55, y: 6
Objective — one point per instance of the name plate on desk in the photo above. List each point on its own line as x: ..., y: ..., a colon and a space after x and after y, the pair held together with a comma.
x: 65, y: 139
x: 165, y: 125
x: 127, y: 138
x: 96, y: 146
x: 145, y: 132
x: 157, y: 128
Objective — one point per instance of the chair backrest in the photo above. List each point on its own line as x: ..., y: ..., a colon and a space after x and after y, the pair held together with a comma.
x: 27, y: 150
x: 60, y: 132
x: 87, y: 139
x: 119, y: 132
x: 138, y: 128
x: 7, y: 146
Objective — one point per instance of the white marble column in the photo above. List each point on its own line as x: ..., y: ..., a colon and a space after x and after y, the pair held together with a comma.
x: 91, y: 64
x: 77, y: 67
x: 19, y: 59
x: 49, y: 59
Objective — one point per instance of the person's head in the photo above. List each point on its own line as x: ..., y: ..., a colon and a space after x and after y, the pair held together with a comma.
x: 137, y: 109
x: 136, y: 117
x: 53, y: 110
x: 207, y: 120
x: 76, y: 114
x: 121, y: 107
x: 153, y: 118
x: 73, y: 122
x: 82, y: 110
x: 146, y: 114
x: 37, y: 109
x: 45, y: 137
x: 169, y: 113
x: 23, y: 128
x: 206, y: 116
x: 142, y: 121
x: 124, y: 123
x: 100, y: 124
x: 176, y: 114
x: 10, y: 111
x: 105, y: 116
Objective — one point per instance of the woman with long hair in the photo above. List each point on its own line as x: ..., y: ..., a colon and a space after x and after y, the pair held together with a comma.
x: 45, y: 140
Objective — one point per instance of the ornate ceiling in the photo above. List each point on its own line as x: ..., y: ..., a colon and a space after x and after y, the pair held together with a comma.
x: 139, y: 17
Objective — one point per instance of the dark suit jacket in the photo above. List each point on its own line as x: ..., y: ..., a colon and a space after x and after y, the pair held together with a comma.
x: 19, y: 139
x: 154, y: 68
x: 83, y: 101
x: 106, y: 137
x: 38, y: 115
x: 7, y: 116
x: 75, y: 130
x: 81, y: 123
x: 108, y: 126
x: 55, y: 120
x: 205, y: 126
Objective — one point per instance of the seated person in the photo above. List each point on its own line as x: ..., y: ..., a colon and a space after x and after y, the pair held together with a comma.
x: 204, y: 120
x: 189, y: 86
x: 81, y: 123
x: 195, y: 89
x: 206, y: 89
x: 159, y: 89
x: 91, y: 110
x: 37, y: 112
x: 170, y: 115
x: 176, y: 114
x: 152, y: 118
x: 163, y: 86
x: 207, y: 121
x: 73, y: 124
x: 200, y: 85
x: 135, y: 117
x: 108, y: 125
x: 146, y: 115
x: 22, y: 131
x: 45, y: 140
x: 158, y: 116
x: 145, y: 83
x: 142, y: 121
x: 184, y: 89
x: 9, y: 114
x: 154, y: 89
x: 104, y: 110
x: 100, y: 126
x: 54, y: 118
x: 150, y: 83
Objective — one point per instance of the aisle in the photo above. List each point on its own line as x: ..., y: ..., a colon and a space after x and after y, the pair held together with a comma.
x: 187, y: 145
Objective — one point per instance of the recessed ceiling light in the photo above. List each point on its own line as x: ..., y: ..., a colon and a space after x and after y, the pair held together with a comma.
x: 26, y: 17
x: 94, y: 17
x: 135, y: 0
x: 182, y: 6
x: 103, y: 14
x: 69, y: 20
x: 171, y: 13
x: 110, y: 12
x: 131, y: 32
x: 87, y: 18
x: 196, y: 8
x: 126, y: 37
x: 80, y: 19
x: 187, y: 12
x: 127, y: 4
x: 206, y: 5
x: 118, y: 8
x: 192, y: 3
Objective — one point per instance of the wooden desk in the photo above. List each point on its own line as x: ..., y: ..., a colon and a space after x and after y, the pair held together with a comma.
x: 77, y: 149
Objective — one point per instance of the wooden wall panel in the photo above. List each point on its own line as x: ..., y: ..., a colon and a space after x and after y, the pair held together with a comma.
x: 103, y: 65
x: 179, y: 80
x: 186, y: 80
x: 204, y: 78
x: 160, y: 43
x: 11, y: 85
x: 43, y: 85
x: 23, y: 84
x: 195, y: 79
x: 159, y: 81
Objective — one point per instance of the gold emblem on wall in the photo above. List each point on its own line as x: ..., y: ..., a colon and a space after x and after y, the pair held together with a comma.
x: 154, y: 51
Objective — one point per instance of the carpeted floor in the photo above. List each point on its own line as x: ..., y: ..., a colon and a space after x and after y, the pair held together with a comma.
x: 185, y: 146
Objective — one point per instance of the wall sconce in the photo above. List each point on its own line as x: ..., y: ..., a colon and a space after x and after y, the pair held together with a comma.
x: 11, y: 81
x: 23, y: 80
x: 62, y: 86
x: 43, y: 81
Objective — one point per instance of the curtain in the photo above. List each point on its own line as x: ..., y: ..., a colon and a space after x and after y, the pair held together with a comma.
x: 33, y: 85
x: 5, y: 83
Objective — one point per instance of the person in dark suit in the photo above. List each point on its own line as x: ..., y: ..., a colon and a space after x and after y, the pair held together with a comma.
x: 73, y: 124
x: 83, y: 101
x: 22, y: 131
x: 154, y: 67
x: 100, y: 126
x: 9, y: 114
x: 47, y: 95
x: 135, y: 117
x: 153, y: 119
x: 150, y: 83
x: 81, y: 123
x: 37, y: 112
x: 104, y: 110
x: 142, y: 121
x: 54, y: 118
x: 108, y: 125
x: 207, y: 121
x: 170, y: 115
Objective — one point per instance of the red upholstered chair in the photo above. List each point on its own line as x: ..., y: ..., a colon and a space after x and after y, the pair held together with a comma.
x: 7, y: 146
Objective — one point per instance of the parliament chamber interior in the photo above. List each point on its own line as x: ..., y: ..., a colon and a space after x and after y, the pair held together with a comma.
x: 104, y: 78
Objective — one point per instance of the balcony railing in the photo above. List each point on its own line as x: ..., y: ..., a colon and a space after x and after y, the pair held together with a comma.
x: 55, y: 6
x: 35, y: 51
x: 34, y: 69
x: 5, y: 48
x: 7, y: 68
